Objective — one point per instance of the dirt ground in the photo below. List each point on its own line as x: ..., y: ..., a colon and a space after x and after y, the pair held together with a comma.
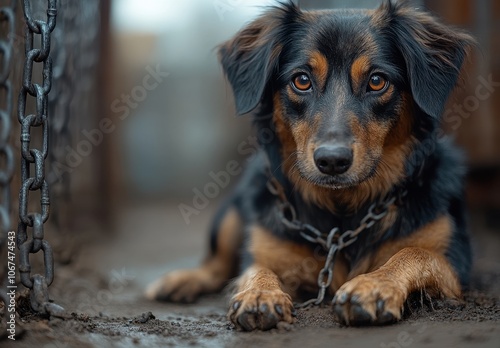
x: 102, y: 293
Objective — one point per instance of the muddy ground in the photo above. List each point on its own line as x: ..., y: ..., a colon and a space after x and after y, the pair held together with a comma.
x: 102, y: 293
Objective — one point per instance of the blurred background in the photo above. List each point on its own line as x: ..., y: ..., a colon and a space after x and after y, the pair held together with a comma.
x: 142, y: 115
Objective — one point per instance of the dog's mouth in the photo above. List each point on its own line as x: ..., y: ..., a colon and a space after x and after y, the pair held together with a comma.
x: 336, y: 182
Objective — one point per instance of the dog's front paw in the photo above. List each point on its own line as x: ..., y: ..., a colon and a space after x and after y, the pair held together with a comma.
x: 369, y: 299
x: 260, y: 309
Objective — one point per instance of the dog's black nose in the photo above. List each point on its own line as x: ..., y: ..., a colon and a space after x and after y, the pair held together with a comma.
x: 333, y: 160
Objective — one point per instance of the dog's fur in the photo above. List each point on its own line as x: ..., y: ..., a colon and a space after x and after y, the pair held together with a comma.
x: 421, y: 245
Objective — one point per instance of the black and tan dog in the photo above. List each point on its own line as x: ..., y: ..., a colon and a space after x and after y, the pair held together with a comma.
x: 354, y: 100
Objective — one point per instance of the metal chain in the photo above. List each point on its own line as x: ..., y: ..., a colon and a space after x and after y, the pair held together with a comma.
x: 7, y: 19
x: 334, y: 241
x: 38, y: 284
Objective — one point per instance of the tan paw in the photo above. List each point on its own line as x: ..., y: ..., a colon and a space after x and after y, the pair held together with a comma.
x: 182, y: 286
x: 370, y: 299
x: 260, y: 309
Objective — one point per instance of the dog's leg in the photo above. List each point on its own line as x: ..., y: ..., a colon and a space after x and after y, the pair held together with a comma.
x: 260, y: 302
x: 378, y: 297
x: 213, y: 274
x: 278, y: 269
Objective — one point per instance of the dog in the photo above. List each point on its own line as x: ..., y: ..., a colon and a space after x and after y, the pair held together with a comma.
x: 357, y: 193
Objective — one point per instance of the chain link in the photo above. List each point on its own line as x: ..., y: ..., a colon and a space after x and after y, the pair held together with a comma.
x: 334, y: 241
x: 38, y: 284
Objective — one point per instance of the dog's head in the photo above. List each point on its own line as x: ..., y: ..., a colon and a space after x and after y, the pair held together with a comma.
x: 347, y: 89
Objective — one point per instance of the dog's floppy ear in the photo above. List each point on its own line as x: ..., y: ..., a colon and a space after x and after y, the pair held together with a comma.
x: 433, y: 53
x: 250, y: 58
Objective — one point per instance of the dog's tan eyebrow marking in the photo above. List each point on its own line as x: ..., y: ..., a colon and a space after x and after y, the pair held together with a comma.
x: 359, y: 69
x: 319, y: 65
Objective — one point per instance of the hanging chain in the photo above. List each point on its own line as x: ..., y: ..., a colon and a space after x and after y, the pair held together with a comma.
x: 334, y: 241
x: 35, y: 220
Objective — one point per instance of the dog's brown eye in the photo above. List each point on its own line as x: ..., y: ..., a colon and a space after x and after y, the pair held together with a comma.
x: 377, y: 83
x: 302, y: 82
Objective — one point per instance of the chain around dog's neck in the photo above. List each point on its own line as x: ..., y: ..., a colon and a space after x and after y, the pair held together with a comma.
x: 335, y: 241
